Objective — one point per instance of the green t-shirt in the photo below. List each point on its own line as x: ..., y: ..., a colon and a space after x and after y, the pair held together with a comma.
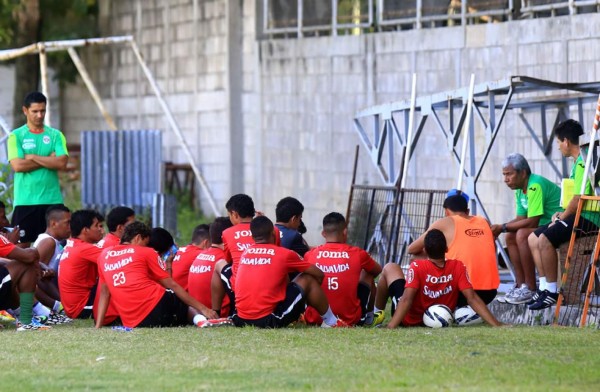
x: 577, y: 174
x: 542, y: 199
x: 39, y: 186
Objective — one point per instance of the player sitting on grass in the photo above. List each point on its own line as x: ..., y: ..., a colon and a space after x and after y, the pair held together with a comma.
x: 202, y: 269
x: 18, y: 279
x: 428, y: 282
x: 265, y: 297
x: 78, y: 272
x: 116, y: 220
x: 349, y: 274
x: 186, y: 255
x: 135, y: 278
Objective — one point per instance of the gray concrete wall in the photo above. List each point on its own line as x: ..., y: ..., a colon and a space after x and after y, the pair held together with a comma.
x: 274, y: 118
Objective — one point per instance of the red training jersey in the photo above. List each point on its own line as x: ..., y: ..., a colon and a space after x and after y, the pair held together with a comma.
x: 200, y: 276
x: 5, y: 246
x: 342, y: 265
x: 182, y: 262
x: 435, y: 286
x: 131, y: 274
x: 77, y: 274
x: 109, y: 241
x: 262, y: 279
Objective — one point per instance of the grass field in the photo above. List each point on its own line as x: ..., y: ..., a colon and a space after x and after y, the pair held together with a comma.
x: 77, y: 357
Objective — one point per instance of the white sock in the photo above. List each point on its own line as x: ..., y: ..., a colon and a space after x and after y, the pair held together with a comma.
x: 56, y: 307
x: 329, y: 318
x: 198, y: 318
x: 543, y: 283
x: 376, y: 309
x: 551, y: 287
x: 40, y: 310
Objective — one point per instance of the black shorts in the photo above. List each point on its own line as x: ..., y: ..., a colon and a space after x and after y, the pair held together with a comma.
x: 5, y: 289
x: 226, y: 274
x: 486, y: 296
x: 560, y: 231
x: 170, y: 311
x: 363, y: 292
x: 31, y: 219
x: 286, y: 312
x: 88, y: 310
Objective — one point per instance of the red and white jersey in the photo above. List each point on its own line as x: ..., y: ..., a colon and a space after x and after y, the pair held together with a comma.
x: 262, y: 279
x: 182, y: 262
x: 342, y: 265
x: 131, y: 274
x: 77, y: 274
x: 5, y: 246
x: 435, y: 286
x: 109, y: 241
x: 200, y: 276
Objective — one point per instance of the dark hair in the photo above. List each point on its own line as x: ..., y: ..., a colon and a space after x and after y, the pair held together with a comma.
x: 261, y: 228
x: 456, y: 203
x: 160, y: 240
x: 217, y: 228
x: 133, y: 229
x: 54, y: 212
x: 435, y: 244
x: 200, y: 233
x: 334, y: 222
x: 287, y: 208
x: 34, y: 97
x: 570, y: 130
x: 2, y: 205
x: 83, y: 219
x: 118, y: 216
x: 242, y: 204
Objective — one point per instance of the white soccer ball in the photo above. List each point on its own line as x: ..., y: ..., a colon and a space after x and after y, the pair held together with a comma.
x: 438, y: 316
x: 466, y: 316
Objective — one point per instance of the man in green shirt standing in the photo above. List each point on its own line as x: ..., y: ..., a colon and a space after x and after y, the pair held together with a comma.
x: 537, y: 199
x: 36, y: 152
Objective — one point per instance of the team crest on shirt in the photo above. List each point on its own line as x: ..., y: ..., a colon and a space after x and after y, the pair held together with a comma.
x: 46, y: 139
x: 410, y: 275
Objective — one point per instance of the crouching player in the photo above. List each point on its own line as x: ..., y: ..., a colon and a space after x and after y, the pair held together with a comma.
x: 264, y: 296
x: 349, y: 274
x: 435, y: 281
x: 134, y: 277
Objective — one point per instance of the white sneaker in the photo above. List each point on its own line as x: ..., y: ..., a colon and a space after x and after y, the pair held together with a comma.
x: 511, y: 293
x: 522, y: 296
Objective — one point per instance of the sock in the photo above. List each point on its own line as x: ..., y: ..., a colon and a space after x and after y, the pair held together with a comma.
x: 329, y: 318
x: 543, y: 283
x: 198, y: 318
x: 26, y: 301
x: 40, y: 310
x: 551, y: 287
x: 57, y: 307
x: 376, y: 309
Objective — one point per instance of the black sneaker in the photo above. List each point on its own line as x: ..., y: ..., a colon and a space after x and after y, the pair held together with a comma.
x: 535, y: 297
x: 546, y: 300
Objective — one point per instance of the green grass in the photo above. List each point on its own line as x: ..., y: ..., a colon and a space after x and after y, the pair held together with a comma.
x: 474, y: 358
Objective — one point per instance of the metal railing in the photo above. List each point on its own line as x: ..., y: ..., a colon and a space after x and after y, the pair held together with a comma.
x: 298, y: 18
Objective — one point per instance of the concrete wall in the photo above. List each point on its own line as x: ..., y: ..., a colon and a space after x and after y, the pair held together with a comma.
x: 274, y: 118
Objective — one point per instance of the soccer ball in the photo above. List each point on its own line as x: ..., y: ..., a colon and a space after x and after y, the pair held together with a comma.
x: 466, y: 316
x: 438, y: 316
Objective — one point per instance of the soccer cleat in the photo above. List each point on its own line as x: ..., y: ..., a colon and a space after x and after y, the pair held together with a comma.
x: 378, y: 318
x: 41, y: 319
x: 57, y: 319
x: 220, y: 322
x: 6, y: 318
x: 338, y: 324
x: 546, y: 300
x: 521, y: 296
x: 34, y: 326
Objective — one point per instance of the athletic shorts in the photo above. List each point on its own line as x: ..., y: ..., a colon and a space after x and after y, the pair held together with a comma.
x: 486, y: 296
x: 226, y: 274
x: 170, y: 311
x: 88, y: 310
x: 286, y: 312
x: 5, y: 289
x: 363, y: 291
x: 560, y: 231
x: 32, y: 219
